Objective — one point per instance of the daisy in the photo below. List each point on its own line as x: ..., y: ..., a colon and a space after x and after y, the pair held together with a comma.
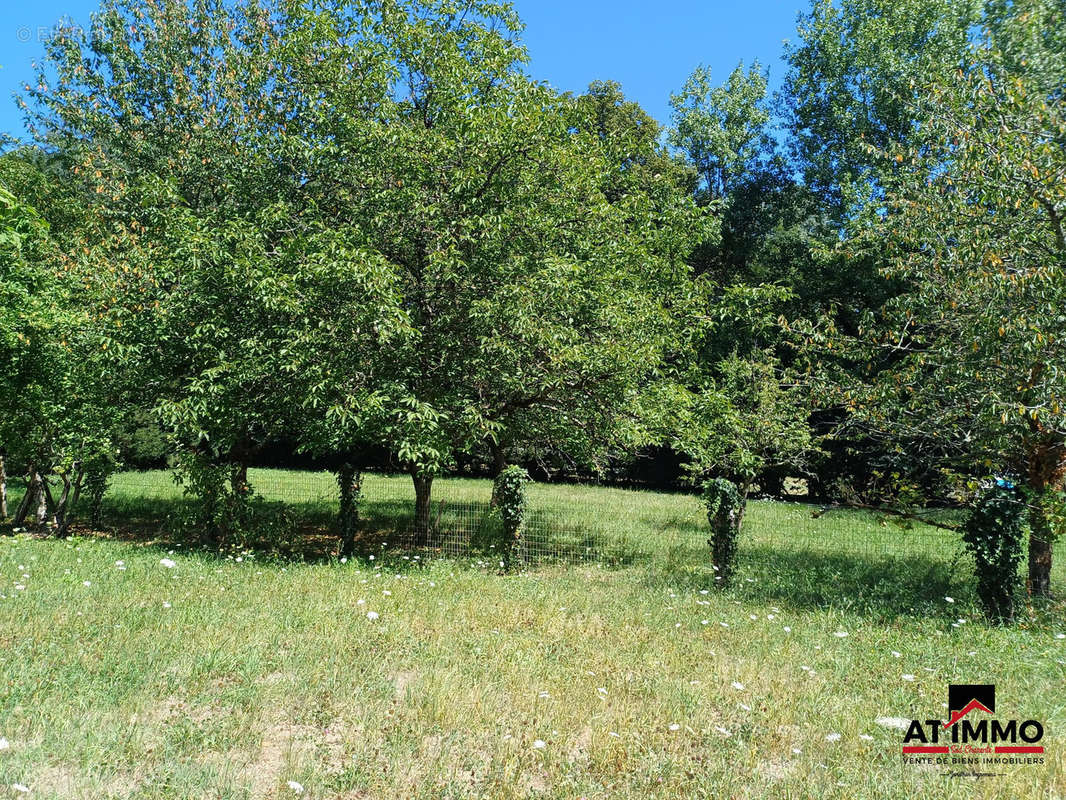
x: 832, y: 737
x: 296, y: 787
x: 674, y: 726
x: 539, y: 744
x: 372, y: 615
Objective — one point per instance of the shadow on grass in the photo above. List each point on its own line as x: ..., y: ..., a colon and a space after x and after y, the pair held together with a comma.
x: 883, y: 587
x: 308, y: 532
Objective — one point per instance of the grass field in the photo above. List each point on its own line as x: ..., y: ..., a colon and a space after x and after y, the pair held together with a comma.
x: 230, y: 676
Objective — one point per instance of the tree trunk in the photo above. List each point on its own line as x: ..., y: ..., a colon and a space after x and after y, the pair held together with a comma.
x: 1039, y: 554
x: 350, y: 481
x: 423, y: 507
x: 27, y: 500
x: 41, y: 517
x: 64, y: 509
x: 239, y: 479
x: 499, y: 459
x: 1046, y: 466
x: 3, y: 488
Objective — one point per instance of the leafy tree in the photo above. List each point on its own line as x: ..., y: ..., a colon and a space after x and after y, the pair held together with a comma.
x: 536, y: 275
x: 163, y: 113
x: 57, y: 415
x: 722, y: 130
x: 850, y: 82
x: 742, y: 414
x: 962, y: 365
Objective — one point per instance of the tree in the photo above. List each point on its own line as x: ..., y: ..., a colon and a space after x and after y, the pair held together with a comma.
x: 538, y: 283
x: 963, y: 363
x: 57, y: 416
x: 850, y: 81
x: 164, y: 114
x: 742, y: 415
x: 722, y: 130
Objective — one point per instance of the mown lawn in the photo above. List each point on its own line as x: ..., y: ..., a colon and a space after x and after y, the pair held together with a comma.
x: 123, y: 677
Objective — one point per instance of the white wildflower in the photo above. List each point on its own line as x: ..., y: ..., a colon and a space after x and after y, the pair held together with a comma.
x: 899, y: 723
x: 738, y: 686
x: 296, y: 787
x: 168, y: 563
x: 907, y: 677
x: 372, y: 615
x: 539, y: 744
x: 832, y: 737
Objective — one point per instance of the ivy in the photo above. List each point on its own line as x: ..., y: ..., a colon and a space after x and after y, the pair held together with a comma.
x: 509, y: 504
x: 994, y: 534
x: 725, y: 511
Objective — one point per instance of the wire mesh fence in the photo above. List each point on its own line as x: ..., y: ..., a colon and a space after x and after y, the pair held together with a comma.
x: 564, y: 523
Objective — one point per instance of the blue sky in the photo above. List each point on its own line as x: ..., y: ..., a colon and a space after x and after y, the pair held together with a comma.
x: 648, y: 47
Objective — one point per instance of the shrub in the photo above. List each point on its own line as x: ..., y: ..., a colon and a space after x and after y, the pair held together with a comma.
x: 994, y: 534
x: 226, y: 512
x: 725, y: 511
x: 509, y: 503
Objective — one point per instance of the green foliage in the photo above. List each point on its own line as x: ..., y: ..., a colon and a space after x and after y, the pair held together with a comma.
x: 721, y: 129
x: 228, y: 513
x: 725, y: 506
x: 852, y: 81
x: 994, y: 533
x: 957, y: 372
x: 509, y: 503
x: 58, y: 407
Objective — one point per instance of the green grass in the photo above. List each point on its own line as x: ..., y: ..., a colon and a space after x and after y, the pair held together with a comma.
x: 226, y: 679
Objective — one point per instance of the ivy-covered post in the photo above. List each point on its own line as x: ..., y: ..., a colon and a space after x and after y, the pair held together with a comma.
x: 994, y: 534
x: 725, y: 511
x: 350, y: 480
x: 509, y: 501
